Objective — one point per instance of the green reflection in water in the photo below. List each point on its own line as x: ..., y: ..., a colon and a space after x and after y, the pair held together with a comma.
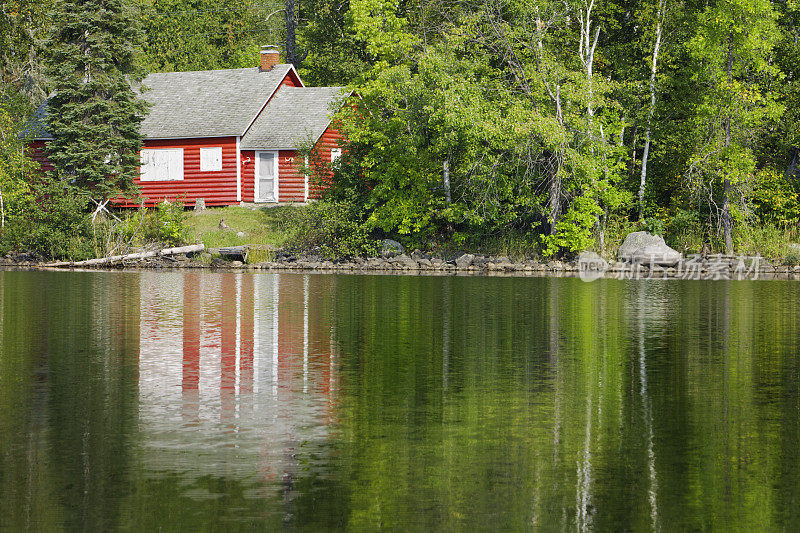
x: 67, y: 396
x: 201, y: 401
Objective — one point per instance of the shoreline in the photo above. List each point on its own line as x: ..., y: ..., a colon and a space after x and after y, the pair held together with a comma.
x: 714, y: 267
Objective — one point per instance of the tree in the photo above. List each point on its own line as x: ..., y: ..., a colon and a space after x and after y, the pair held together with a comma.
x: 732, y: 45
x: 182, y: 35
x: 94, y: 115
x: 335, y: 55
x: 486, y: 125
x: 293, y: 56
x: 658, y: 31
x: 787, y: 138
x: 22, y: 24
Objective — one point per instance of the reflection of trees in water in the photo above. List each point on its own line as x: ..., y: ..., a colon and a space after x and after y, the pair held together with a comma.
x: 397, y: 402
x: 549, y: 392
x: 647, y: 409
x: 67, y: 386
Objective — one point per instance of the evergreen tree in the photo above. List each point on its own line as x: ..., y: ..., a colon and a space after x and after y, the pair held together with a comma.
x: 94, y: 115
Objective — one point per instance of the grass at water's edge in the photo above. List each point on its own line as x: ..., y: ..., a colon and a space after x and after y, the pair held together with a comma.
x: 259, y: 225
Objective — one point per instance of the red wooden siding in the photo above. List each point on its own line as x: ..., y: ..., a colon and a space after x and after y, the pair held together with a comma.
x: 36, y: 153
x: 291, y: 182
x: 248, y: 176
x: 217, y: 188
x: 291, y: 80
x: 330, y: 139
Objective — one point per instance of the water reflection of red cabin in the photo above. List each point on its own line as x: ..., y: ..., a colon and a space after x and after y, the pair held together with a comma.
x: 247, y: 343
x: 303, y: 340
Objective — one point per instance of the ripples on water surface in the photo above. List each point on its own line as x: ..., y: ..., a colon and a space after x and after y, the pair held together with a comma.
x: 205, y: 400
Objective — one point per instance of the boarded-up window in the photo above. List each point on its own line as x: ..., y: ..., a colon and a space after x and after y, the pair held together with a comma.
x: 164, y: 164
x: 211, y: 159
x: 336, y: 153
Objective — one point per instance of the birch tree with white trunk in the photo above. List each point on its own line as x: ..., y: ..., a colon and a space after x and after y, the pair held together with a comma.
x: 659, y: 28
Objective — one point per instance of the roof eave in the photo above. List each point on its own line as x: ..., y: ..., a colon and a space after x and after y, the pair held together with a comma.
x: 328, y: 125
x: 178, y: 138
x: 271, y: 149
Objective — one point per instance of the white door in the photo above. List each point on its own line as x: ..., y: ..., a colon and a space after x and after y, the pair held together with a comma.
x: 266, y: 176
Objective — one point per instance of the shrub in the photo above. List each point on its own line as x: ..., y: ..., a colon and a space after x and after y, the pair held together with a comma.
x: 684, y: 231
x: 766, y: 240
x: 653, y: 225
x: 328, y: 228
x: 168, y: 224
x: 617, y: 229
x: 792, y: 256
x: 164, y: 224
x: 775, y: 199
x: 51, y: 222
x: 575, y: 230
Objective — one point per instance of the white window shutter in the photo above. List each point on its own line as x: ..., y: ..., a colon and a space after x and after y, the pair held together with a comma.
x: 211, y: 159
x: 162, y: 164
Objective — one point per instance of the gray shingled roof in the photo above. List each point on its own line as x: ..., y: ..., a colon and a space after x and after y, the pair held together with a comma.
x: 35, y: 128
x: 205, y: 103
x: 294, y: 116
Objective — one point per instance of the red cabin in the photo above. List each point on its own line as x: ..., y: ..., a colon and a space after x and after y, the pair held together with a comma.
x: 229, y: 136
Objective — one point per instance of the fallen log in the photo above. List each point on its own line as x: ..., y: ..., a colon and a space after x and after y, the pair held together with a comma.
x: 130, y: 257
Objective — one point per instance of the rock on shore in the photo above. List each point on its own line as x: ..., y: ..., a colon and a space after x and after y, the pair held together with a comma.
x: 640, y: 247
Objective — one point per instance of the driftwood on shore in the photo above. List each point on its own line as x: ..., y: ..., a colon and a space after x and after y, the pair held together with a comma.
x: 194, y: 248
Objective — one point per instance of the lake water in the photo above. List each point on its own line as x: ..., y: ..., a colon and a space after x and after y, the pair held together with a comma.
x: 232, y: 401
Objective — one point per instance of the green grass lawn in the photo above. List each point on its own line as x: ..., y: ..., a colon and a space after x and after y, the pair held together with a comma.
x: 260, y: 226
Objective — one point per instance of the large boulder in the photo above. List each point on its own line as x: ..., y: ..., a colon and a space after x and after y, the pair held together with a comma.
x: 465, y: 260
x: 644, y: 248
x: 391, y: 248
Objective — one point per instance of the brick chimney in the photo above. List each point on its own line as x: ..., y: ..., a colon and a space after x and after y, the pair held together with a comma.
x: 269, y: 58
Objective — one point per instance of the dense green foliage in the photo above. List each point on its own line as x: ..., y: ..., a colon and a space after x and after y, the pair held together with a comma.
x: 542, y: 118
x: 330, y: 229
x: 50, y: 222
x: 554, y: 125
x: 183, y: 36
